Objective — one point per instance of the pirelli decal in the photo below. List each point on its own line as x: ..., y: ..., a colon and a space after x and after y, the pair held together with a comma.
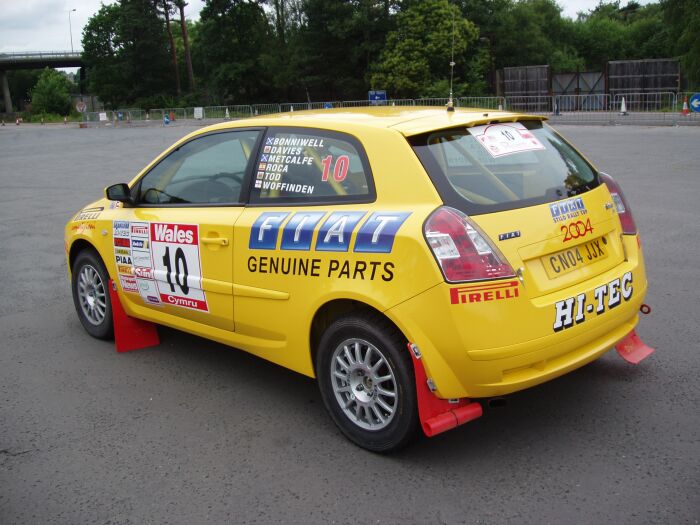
x: 481, y: 293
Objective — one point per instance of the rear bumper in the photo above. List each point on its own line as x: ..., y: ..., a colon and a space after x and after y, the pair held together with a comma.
x: 498, y: 347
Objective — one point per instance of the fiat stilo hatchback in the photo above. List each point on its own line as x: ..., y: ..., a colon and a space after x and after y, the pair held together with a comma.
x: 416, y: 262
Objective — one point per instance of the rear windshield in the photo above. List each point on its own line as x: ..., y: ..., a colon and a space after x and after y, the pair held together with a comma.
x: 501, y: 166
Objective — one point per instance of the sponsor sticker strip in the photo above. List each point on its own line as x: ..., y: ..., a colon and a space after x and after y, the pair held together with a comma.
x: 161, y: 262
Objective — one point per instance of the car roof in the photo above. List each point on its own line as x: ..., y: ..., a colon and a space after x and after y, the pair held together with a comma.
x: 407, y: 120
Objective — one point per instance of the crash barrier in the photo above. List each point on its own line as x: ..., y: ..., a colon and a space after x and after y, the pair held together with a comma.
x: 118, y: 117
x: 620, y: 108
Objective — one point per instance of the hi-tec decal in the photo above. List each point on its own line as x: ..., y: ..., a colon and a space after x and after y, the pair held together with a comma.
x: 568, y: 209
x: 481, y: 293
x: 375, y: 235
x: 161, y: 262
x: 607, y: 296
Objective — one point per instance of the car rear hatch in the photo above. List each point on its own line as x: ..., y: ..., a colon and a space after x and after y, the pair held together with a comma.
x: 536, y: 198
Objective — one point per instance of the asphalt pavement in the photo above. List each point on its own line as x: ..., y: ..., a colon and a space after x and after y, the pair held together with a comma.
x: 193, y: 432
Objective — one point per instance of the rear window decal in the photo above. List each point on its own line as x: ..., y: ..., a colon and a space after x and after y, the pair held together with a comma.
x: 505, y: 139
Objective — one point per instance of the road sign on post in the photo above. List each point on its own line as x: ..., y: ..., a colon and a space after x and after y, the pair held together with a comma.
x: 377, y: 98
x: 694, y: 103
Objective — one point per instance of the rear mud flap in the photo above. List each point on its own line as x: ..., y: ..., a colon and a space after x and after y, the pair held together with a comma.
x: 439, y: 415
x: 632, y: 349
x: 130, y: 333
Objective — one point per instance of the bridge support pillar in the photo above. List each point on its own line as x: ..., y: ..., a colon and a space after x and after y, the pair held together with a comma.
x: 6, y: 92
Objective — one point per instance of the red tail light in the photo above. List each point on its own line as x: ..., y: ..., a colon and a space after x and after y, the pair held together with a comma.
x: 463, y: 251
x: 623, y: 208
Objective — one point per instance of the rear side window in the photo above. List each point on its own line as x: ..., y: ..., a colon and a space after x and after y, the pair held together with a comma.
x: 306, y: 166
x: 501, y: 166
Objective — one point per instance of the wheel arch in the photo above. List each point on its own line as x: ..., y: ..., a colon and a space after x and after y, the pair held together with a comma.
x: 78, y: 246
x: 332, y: 310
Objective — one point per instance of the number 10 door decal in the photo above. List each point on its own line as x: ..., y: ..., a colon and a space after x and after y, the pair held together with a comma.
x: 164, y: 261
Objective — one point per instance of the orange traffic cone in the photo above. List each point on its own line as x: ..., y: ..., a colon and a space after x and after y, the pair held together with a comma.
x: 685, y: 111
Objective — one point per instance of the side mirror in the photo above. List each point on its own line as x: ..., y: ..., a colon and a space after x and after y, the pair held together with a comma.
x: 119, y: 192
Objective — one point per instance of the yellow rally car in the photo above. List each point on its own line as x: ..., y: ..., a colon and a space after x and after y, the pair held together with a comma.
x: 411, y: 260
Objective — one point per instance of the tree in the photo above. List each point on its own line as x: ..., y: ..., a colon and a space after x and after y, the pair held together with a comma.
x: 233, y: 37
x: 683, y: 19
x: 166, y: 8
x: 186, y: 41
x: 125, y: 49
x: 415, y: 61
x: 533, y: 32
x: 52, y: 93
x: 21, y: 82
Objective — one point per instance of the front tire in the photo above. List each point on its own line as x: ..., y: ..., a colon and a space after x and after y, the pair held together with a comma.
x: 90, y: 282
x: 367, y: 384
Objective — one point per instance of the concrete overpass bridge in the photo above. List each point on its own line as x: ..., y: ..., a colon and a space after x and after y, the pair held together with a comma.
x: 34, y: 60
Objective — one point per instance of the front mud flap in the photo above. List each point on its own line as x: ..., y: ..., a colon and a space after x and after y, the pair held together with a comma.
x: 130, y: 333
x: 439, y: 415
x: 632, y: 349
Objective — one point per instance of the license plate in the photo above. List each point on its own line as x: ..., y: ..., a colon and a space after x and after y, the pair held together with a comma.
x: 574, y: 258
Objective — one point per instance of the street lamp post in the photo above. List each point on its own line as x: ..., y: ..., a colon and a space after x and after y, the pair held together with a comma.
x: 70, y: 29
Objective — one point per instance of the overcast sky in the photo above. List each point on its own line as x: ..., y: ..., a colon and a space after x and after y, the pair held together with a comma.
x: 42, y: 25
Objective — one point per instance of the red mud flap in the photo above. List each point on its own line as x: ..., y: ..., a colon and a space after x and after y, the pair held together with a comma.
x: 130, y: 333
x: 632, y: 349
x: 439, y: 415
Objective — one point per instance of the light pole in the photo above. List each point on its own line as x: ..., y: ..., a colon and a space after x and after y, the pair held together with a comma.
x: 70, y: 29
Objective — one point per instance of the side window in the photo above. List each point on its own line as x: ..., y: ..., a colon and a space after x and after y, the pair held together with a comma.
x: 308, y: 165
x: 207, y: 170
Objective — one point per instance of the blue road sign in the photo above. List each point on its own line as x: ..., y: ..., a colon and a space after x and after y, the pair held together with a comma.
x: 377, y: 98
x: 694, y: 103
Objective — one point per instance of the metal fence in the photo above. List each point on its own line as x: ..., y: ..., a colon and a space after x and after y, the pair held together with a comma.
x: 639, y: 108
x: 497, y: 103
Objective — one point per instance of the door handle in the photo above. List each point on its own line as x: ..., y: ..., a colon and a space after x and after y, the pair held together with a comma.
x: 221, y: 241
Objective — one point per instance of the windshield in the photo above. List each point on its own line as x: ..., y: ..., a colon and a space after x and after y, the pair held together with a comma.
x: 501, y: 166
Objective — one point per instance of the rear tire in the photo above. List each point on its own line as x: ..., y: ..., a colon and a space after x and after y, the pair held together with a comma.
x: 367, y: 384
x: 90, y: 282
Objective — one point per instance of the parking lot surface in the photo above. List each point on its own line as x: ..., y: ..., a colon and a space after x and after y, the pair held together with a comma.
x: 192, y: 432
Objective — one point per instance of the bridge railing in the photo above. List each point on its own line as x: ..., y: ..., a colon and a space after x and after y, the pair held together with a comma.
x: 38, y: 55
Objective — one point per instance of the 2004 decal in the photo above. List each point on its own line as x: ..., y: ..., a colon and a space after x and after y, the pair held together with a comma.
x: 607, y: 296
x: 576, y: 229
